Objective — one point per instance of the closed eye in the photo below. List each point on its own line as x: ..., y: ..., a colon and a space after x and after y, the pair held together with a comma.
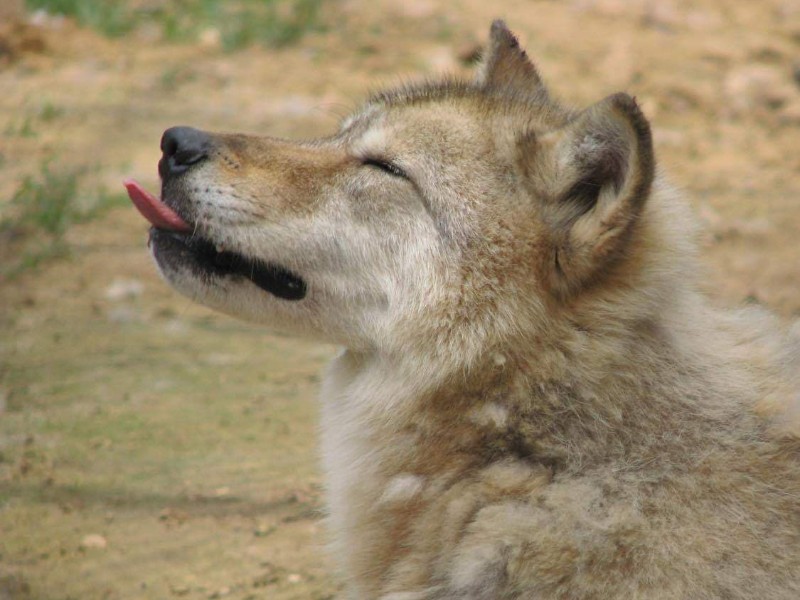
x: 385, y: 166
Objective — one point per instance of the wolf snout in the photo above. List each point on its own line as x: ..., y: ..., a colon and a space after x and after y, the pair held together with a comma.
x: 182, y: 147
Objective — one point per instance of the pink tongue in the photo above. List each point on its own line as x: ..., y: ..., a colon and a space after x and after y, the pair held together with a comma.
x: 153, y: 209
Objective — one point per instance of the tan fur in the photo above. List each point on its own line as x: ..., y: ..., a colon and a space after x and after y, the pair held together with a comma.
x: 534, y: 400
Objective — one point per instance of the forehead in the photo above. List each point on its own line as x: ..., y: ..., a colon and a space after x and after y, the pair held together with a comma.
x: 452, y: 105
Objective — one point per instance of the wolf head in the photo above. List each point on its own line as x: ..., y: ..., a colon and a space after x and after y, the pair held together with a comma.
x: 444, y: 219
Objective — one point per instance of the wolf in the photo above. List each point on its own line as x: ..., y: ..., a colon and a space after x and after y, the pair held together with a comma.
x: 535, y: 399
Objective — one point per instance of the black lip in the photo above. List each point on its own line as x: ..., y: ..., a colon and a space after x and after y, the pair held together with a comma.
x: 201, y: 255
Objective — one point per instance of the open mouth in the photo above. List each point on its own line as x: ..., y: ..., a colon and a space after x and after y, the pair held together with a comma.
x: 173, y: 240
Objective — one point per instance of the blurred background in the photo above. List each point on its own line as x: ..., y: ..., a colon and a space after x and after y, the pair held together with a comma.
x: 152, y: 449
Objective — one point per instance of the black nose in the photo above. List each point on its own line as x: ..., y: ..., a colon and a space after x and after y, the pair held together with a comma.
x: 181, y: 148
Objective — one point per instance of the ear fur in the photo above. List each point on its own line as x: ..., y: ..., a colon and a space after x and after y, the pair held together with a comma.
x: 594, y: 175
x: 506, y: 66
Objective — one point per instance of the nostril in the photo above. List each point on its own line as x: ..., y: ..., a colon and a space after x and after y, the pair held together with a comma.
x: 182, y: 147
x: 169, y: 146
x: 189, y: 157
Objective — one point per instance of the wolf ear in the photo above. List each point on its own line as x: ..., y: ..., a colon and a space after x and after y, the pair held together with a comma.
x: 594, y: 175
x: 505, y: 65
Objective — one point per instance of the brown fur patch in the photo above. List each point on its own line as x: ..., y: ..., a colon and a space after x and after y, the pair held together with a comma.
x: 536, y: 400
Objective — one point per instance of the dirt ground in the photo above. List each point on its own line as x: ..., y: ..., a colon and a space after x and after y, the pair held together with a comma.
x: 152, y: 449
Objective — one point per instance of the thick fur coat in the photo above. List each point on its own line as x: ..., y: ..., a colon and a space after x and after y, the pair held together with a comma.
x: 534, y: 401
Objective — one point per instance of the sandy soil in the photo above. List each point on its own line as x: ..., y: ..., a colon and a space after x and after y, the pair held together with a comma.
x: 151, y: 449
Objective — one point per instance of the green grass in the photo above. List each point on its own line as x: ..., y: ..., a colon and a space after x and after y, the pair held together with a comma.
x: 41, y: 210
x: 23, y: 129
x: 239, y: 23
x: 50, y: 112
x: 112, y: 18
